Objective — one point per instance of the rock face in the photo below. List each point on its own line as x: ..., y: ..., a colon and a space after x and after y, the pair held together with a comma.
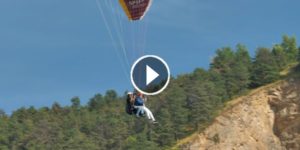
x: 285, y: 103
x: 266, y: 119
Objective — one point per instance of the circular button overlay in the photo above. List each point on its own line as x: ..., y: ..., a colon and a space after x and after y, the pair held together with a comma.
x: 150, y: 75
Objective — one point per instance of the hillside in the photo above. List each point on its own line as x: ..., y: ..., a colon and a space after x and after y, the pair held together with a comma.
x: 267, y: 118
x: 191, y: 103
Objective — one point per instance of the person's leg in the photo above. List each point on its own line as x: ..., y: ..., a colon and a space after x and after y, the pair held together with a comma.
x: 140, y: 110
x: 149, y: 114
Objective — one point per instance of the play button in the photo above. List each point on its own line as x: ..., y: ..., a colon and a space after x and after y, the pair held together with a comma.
x: 150, y: 75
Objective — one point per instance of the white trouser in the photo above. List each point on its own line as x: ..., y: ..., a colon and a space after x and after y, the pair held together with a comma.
x: 140, y: 109
x: 149, y: 113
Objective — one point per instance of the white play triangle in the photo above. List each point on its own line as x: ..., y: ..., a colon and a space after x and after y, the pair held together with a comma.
x: 150, y: 75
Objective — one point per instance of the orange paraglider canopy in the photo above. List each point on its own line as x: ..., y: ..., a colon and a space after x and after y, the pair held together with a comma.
x: 135, y: 9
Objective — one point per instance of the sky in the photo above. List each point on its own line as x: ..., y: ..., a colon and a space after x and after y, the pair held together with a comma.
x: 53, y: 50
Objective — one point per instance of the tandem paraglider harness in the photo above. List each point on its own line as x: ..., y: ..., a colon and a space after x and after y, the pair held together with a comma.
x: 130, y: 107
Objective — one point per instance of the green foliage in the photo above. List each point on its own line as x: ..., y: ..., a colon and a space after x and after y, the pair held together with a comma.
x: 280, y: 55
x: 203, y: 103
x: 110, y: 95
x: 240, y: 73
x: 265, y: 69
x: 289, y: 45
x: 139, y: 142
x: 178, y: 110
x: 189, y: 104
x: 223, y: 61
x: 299, y: 54
x: 75, y: 102
x: 95, y: 102
x: 234, y: 69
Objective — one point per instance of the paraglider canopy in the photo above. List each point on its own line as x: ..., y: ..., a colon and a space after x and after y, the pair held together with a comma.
x: 135, y: 9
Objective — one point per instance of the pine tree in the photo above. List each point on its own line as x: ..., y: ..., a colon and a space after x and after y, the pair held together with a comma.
x: 220, y: 87
x: 165, y: 129
x: 240, y: 73
x: 299, y: 54
x: 280, y: 56
x: 111, y: 95
x: 298, y: 68
x: 265, y: 69
x: 2, y: 114
x: 234, y: 69
x: 75, y: 102
x: 56, y: 108
x: 289, y: 44
x: 203, y: 100
x: 242, y: 55
x: 178, y: 110
x: 222, y: 64
x: 95, y: 102
x: 141, y: 142
x: 223, y: 60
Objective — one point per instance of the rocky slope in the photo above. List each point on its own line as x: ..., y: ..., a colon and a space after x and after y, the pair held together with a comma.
x: 266, y: 119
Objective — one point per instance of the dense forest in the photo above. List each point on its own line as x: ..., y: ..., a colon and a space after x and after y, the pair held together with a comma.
x: 188, y: 105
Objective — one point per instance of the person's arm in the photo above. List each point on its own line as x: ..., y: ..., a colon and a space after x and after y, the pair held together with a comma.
x: 132, y: 98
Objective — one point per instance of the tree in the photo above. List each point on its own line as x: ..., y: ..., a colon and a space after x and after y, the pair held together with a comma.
x: 178, y: 110
x: 220, y: 87
x: 298, y: 67
x: 95, y: 102
x: 165, y: 129
x: 239, y: 76
x: 280, y: 56
x: 75, y: 102
x: 140, y: 142
x: 190, y: 103
x: 289, y: 44
x: 223, y: 60
x: 242, y: 55
x: 56, y: 108
x: 299, y: 54
x: 110, y: 95
x: 265, y: 69
x: 203, y: 100
x: 222, y: 64
x: 2, y: 114
x: 234, y: 69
